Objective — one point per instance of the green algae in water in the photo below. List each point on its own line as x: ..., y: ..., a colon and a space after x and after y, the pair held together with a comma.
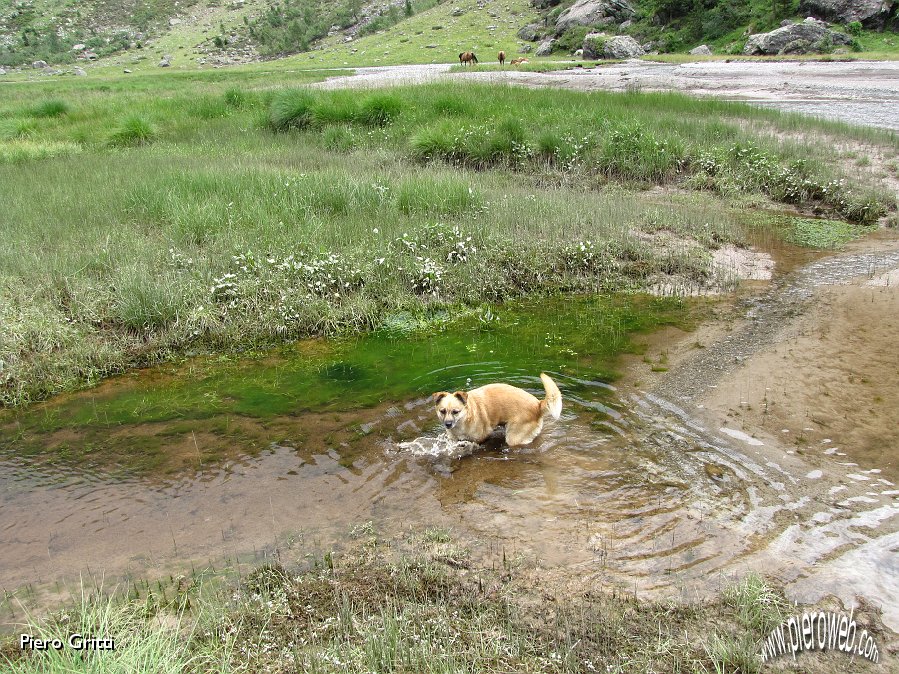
x: 577, y: 338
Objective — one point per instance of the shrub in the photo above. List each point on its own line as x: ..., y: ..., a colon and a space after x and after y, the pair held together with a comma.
x: 854, y: 28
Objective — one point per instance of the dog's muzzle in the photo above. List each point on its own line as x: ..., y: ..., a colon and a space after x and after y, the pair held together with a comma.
x: 448, y: 424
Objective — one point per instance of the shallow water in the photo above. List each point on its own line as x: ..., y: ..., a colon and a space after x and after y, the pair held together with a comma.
x: 178, y: 467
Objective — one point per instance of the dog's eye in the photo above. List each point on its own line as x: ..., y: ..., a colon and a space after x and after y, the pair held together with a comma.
x: 442, y: 411
x: 455, y: 411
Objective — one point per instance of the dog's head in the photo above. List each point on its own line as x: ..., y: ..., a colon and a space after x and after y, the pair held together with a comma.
x: 451, y: 407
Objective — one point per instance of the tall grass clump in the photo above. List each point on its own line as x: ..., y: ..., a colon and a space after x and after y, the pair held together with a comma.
x: 380, y: 109
x: 134, y: 130
x: 236, y: 97
x: 438, y: 141
x: 339, y: 108
x: 291, y: 109
x: 50, y: 108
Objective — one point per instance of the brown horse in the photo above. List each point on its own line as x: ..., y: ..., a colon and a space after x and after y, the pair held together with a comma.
x: 502, y: 57
x: 468, y: 57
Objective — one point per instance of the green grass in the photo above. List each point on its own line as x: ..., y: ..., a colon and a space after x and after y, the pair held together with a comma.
x: 261, y: 213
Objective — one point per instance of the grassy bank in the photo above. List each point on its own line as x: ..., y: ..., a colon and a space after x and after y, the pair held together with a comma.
x: 418, y: 604
x: 156, y: 216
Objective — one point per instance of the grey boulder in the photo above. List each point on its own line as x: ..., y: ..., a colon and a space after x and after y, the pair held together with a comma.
x: 622, y: 47
x: 799, y: 38
x: 870, y: 13
x: 594, y: 13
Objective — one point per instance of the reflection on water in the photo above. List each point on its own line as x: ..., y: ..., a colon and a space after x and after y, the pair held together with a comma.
x: 625, y: 489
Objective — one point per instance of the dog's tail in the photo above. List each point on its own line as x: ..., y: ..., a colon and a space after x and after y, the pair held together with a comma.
x: 552, y: 404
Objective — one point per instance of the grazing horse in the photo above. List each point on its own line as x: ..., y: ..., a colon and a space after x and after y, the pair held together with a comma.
x: 502, y: 57
x: 468, y: 57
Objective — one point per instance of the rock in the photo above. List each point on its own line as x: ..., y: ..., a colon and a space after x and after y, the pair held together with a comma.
x: 529, y: 33
x: 594, y: 13
x: 39, y: 64
x: 579, y: 52
x: 174, y: 22
x: 166, y: 61
x: 525, y: 49
x: 126, y: 71
x: 786, y: 22
x: 545, y: 48
x: 2, y: 72
x: 77, y: 47
x: 79, y: 72
x: 593, y: 44
x: 701, y: 50
x: 457, y: 11
x: 90, y: 56
x: 545, y: 4
x: 622, y: 47
x: 811, y: 31
x: 870, y: 13
x: 624, y: 25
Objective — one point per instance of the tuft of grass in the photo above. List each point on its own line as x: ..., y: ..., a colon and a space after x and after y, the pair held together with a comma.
x: 134, y: 130
x: 291, y: 109
x: 757, y: 606
x: 380, y: 109
x: 50, y: 108
x: 235, y: 97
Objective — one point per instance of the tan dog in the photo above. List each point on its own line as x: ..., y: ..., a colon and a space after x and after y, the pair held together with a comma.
x: 518, y: 62
x: 474, y: 415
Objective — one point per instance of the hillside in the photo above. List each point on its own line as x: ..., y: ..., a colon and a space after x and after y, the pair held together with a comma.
x: 105, y: 36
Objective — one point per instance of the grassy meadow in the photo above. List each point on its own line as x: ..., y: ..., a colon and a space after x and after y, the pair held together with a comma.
x: 169, y: 214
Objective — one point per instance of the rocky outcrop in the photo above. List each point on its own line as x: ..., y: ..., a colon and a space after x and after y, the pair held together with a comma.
x: 701, y: 50
x: 39, y: 64
x: 594, y: 13
x: 799, y: 38
x: 529, y: 33
x: 593, y: 44
x: 870, y: 13
x: 166, y: 61
x: 622, y: 47
x: 545, y: 48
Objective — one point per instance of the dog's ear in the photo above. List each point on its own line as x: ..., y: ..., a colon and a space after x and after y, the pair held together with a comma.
x: 436, y: 397
x: 462, y: 396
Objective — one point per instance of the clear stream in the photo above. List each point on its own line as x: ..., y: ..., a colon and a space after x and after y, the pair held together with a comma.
x: 181, y: 466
